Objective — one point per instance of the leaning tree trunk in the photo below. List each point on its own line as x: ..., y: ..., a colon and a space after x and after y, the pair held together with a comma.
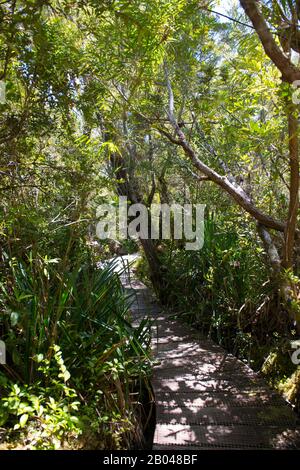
x: 125, y: 187
x: 157, y: 272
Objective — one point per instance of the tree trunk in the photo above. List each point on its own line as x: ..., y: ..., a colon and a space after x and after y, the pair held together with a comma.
x: 126, y: 188
x: 291, y: 224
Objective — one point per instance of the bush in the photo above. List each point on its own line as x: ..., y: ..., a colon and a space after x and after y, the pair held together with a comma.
x: 83, y: 316
x: 43, y: 417
x: 225, y: 291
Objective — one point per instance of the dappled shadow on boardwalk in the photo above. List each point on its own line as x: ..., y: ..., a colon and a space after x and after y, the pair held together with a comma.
x: 205, y: 397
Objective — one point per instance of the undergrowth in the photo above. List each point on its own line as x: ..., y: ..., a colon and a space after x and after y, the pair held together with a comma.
x: 76, y: 367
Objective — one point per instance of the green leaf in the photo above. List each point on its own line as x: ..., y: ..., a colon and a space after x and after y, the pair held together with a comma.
x: 14, y: 318
x: 23, y: 420
x: 39, y: 358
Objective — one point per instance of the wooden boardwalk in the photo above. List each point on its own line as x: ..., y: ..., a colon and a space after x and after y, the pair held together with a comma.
x: 205, y: 397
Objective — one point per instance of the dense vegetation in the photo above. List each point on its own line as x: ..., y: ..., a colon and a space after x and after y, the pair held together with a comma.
x: 160, y: 101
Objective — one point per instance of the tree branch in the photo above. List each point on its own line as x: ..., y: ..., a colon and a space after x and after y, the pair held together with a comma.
x: 270, y: 248
x: 236, y: 192
x: 289, y: 72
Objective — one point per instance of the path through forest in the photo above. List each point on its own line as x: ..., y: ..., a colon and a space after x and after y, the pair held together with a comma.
x: 205, y: 397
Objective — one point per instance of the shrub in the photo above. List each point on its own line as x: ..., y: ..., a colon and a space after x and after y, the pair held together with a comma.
x: 83, y: 316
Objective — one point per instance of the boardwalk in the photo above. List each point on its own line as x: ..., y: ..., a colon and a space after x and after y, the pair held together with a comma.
x: 205, y: 397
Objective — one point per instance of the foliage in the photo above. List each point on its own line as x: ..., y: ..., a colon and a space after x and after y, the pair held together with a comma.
x: 49, y: 420
x: 86, y: 118
x: 224, y: 292
x: 105, y: 358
